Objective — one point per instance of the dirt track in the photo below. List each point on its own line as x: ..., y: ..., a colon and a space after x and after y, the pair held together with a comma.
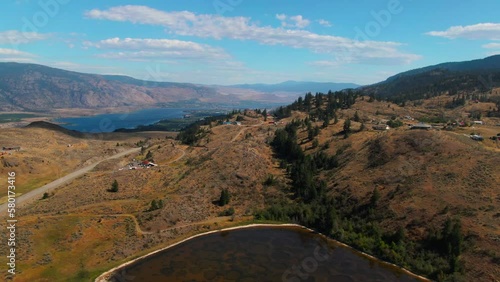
x: 37, y: 193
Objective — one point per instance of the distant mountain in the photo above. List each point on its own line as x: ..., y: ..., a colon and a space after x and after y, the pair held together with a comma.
x: 297, y: 87
x: 447, y: 78
x: 485, y: 65
x: 31, y: 87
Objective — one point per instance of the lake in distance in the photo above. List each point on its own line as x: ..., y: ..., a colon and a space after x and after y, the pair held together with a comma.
x: 289, y: 254
x: 111, y: 122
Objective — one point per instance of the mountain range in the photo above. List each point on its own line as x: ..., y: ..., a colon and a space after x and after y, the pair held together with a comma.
x: 31, y: 87
x: 298, y: 86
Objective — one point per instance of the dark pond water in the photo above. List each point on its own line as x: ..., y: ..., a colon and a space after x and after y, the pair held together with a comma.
x: 110, y: 122
x: 289, y: 254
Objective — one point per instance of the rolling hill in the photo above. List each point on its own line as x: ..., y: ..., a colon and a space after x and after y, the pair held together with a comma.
x: 476, y: 76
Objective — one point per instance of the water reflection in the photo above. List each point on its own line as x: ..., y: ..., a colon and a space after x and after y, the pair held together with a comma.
x: 288, y: 254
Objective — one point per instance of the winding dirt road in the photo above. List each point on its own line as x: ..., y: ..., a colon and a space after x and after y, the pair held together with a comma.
x: 245, y: 128
x: 38, y: 193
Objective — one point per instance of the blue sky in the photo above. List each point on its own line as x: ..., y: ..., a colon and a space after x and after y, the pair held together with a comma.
x: 248, y: 41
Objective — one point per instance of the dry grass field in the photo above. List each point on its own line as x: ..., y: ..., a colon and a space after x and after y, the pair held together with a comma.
x: 82, y: 230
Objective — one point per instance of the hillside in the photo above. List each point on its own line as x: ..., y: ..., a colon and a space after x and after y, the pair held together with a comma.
x: 30, y: 87
x: 396, y: 194
x: 477, y: 76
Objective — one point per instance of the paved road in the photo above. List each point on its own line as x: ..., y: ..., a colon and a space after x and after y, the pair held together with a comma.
x: 38, y: 193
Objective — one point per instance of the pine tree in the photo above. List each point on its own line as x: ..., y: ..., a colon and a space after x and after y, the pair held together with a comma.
x: 154, y: 206
x: 347, y: 127
x: 375, y: 197
x: 114, y: 187
x: 356, y: 117
x: 224, y: 197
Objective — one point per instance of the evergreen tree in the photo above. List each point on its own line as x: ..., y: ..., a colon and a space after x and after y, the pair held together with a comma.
x: 356, y: 117
x: 114, y: 187
x: 224, y: 197
x: 375, y: 197
x: 154, y: 206
x: 347, y: 127
x: 326, y: 122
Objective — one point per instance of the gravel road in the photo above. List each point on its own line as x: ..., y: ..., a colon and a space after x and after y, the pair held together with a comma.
x: 38, y: 193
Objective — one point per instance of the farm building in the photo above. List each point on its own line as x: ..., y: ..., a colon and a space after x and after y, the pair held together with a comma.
x: 421, y: 125
x: 381, y: 127
x: 15, y: 148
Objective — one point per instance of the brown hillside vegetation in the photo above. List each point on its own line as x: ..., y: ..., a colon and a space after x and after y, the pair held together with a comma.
x: 83, y: 220
x: 423, y: 177
x: 46, y: 154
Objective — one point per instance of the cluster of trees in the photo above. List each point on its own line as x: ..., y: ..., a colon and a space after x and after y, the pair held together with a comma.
x: 457, y: 101
x: 351, y: 220
x: 285, y: 142
x: 449, y: 242
x: 394, y: 122
x: 192, y: 133
x: 320, y: 106
x: 156, y: 205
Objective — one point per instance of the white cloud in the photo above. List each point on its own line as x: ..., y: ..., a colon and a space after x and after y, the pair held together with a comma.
x: 15, y: 37
x: 293, y: 21
x: 147, y: 48
x: 325, y: 63
x: 300, y: 22
x: 489, y: 31
x: 492, y: 46
x: 241, y: 28
x: 324, y: 23
x: 281, y: 17
x: 12, y: 55
x: 13, y: 52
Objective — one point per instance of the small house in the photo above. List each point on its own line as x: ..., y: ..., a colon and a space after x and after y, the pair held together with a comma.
x: 421, y: 125
x: 16, y: 148
x: 381, y: 127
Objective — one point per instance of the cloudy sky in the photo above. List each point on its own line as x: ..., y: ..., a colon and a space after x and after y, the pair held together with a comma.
x: 248, y: 41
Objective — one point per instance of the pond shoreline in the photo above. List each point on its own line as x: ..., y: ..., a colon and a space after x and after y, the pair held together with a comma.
x: 108, y: 274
